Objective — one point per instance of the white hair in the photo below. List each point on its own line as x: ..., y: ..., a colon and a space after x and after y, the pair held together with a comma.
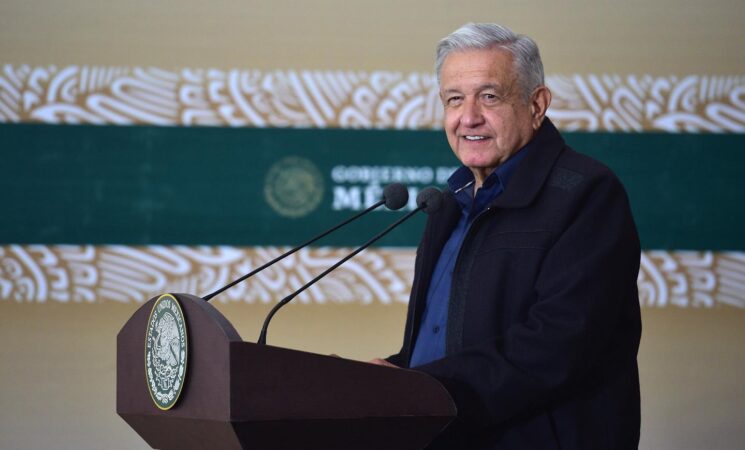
x: 525, y: 56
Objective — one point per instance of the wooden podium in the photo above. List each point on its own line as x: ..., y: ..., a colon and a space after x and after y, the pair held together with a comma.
x: 239, y: 395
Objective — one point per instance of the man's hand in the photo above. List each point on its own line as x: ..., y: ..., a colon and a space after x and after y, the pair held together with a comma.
x: 382, y: 362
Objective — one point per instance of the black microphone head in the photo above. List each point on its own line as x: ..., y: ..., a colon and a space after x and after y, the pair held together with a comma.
x: 395, y: 196
x: 429, y: 199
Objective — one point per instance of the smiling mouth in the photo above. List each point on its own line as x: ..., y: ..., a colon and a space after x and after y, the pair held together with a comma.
x: 475, y: 138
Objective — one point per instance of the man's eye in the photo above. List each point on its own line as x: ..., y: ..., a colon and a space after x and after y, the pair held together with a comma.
x: 490, y: 97
x: 453, y: 100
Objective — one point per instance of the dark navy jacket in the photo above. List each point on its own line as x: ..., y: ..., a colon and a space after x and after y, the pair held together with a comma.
x: 543, y: 321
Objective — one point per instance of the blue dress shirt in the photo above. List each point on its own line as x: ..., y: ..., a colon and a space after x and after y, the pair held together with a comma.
x: 430, y: 341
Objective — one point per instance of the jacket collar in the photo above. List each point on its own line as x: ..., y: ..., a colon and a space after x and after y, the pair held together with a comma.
x: 533, y: 171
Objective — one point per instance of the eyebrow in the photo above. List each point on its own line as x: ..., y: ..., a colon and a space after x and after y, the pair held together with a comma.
x: 480, y: 88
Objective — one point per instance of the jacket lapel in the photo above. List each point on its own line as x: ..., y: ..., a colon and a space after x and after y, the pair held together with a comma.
x: 534, y: 170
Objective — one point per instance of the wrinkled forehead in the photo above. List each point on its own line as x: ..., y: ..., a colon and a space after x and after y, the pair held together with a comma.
x: 493, y: 65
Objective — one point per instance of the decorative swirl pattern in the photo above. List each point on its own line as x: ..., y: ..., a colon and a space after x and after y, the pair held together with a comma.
x: 39, y: 274
x: 638, y: 103
x: 692, y: 279
x: 60, y: 273
x: 379, y: 99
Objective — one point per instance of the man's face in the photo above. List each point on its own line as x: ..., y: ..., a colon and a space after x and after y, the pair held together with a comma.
x: 486, y: 118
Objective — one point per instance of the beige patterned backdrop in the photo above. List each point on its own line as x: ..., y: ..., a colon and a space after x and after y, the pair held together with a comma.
x: 89, y: 274
x: 305, y: 98
x: 379, y: 99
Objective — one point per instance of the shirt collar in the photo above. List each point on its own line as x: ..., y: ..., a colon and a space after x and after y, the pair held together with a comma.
x: 461, y: 181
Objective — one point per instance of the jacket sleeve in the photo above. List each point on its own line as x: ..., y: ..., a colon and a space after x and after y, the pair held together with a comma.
x: 586, y: 313
x: 396, y: 359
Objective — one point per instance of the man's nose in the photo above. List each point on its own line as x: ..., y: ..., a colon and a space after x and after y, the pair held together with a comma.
x: 472, y: 114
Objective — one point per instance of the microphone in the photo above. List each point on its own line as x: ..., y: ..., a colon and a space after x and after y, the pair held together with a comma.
x: 429, y: 200
x: 395, y: 197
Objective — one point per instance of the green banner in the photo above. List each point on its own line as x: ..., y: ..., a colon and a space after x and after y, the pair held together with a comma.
x: 247, y: 186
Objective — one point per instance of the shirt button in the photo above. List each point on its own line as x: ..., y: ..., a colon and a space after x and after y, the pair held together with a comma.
x: 436, y: 329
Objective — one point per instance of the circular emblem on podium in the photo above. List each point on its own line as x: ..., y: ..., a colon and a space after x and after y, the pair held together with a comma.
x: 293, y: 187
x: 165, y: 351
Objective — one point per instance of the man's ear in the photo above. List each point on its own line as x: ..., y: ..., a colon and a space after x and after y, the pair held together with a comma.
x: 539, y: 102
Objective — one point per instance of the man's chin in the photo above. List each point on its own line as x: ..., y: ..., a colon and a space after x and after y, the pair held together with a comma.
x: 480, y: 163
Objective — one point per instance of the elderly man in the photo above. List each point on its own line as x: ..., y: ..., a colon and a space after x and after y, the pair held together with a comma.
x: 524, y: 303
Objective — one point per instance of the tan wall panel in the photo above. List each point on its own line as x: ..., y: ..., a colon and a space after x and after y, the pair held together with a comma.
x: 661, y: 38
x: 691, y: 366
x: 57, y: 376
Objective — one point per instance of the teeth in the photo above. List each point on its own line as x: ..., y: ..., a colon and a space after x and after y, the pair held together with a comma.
x: 475, y: 138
